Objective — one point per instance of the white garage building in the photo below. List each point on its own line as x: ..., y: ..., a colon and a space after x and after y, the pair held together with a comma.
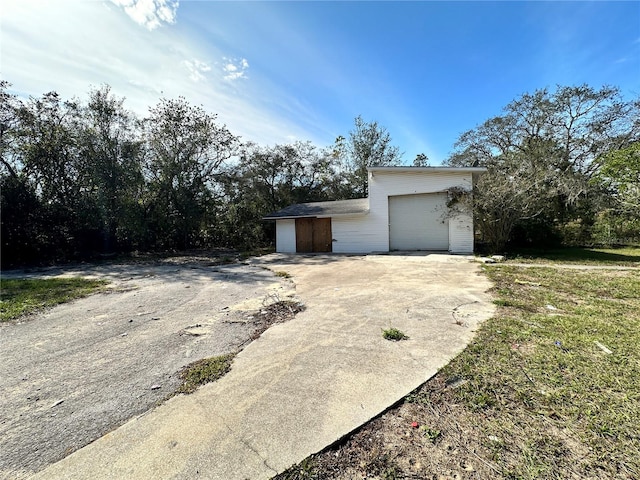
x: 406, y: 210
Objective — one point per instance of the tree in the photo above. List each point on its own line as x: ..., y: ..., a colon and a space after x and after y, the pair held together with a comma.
x: 619, y: 176
x: 267, y: 179
x: 77, y: 177
x: 185, y: 148
x: 620, y: 172
x: 17, y: 200
x: 38, y: 177
x: 9, y: 110
x: 421, y: 160
x: 111, y: 165
x: 48, y: 148
x: 46, y: 157
x: 21, y: 221
x: 540, y: 155
x: 368, y: 145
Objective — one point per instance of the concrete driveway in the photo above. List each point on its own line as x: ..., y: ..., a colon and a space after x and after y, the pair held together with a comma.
x: 305, y: 383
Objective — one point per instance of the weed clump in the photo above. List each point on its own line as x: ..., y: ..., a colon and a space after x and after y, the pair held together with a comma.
x: 393, y: 334
x: 204, y: 371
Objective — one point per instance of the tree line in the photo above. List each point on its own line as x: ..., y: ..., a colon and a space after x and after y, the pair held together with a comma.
x: 563, y: 168
x: 79, y: 178
x: 84, y: 177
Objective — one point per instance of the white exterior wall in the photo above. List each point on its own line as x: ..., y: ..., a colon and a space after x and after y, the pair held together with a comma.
x: 354, y: 234
x: 370, y: 232
x: 461, y: 234
x: 286, y: 236
x: 382, y: 185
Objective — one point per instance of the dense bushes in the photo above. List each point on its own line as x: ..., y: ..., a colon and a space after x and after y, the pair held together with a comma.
x: 83, y: 178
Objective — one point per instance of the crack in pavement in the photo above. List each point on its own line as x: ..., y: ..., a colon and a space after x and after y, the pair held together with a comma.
x: 248, y: 445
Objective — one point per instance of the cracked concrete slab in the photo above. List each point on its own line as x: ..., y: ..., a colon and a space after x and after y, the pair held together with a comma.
x: 305, y: 383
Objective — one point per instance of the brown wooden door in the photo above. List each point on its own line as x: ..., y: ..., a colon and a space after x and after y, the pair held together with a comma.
x: 322, y: 235
x: 313, y: 235
x: 304, y: 235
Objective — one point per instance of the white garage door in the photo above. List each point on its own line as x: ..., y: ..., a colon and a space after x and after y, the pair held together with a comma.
x: 416, y: 222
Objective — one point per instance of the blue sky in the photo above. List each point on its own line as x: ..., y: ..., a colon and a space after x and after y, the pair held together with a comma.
x: 276, y: 72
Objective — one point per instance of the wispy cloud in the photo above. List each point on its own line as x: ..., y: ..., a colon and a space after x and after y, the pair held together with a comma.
x: 196, y: 69
x: 150, y: 13
x: 41, y: 53
x: 234, y: 68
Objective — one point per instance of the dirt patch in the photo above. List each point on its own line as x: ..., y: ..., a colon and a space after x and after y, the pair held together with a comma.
x: 71, y: 374
x: 416, y: 440
x: 278, y: 312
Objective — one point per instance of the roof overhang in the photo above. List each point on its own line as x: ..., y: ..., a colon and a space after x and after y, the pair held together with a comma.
x: 428, y: 169
x: 331, y: 209
x: 334, y: 215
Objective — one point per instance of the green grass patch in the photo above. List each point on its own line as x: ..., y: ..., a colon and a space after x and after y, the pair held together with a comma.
x: 204, y: 371
x: 394, y: 334
x: 537, y: 380
x: 282, y: 274
x: 23, y: 296
x: 625, y: 256
x: 431, y: 433
x: 256, y: 252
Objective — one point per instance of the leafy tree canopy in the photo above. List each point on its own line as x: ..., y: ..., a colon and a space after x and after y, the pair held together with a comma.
x: 540, y: 154
x: 367, y: 145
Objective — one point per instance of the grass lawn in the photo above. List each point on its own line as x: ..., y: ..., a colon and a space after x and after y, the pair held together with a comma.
x: 23, y: 296
x: 548, y: 389
x: 588, y: 256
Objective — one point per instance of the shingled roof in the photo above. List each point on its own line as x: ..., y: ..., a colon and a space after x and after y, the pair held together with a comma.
x: 358, y: 206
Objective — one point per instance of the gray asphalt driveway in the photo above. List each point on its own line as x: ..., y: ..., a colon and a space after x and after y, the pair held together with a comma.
x: 74, y: 373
